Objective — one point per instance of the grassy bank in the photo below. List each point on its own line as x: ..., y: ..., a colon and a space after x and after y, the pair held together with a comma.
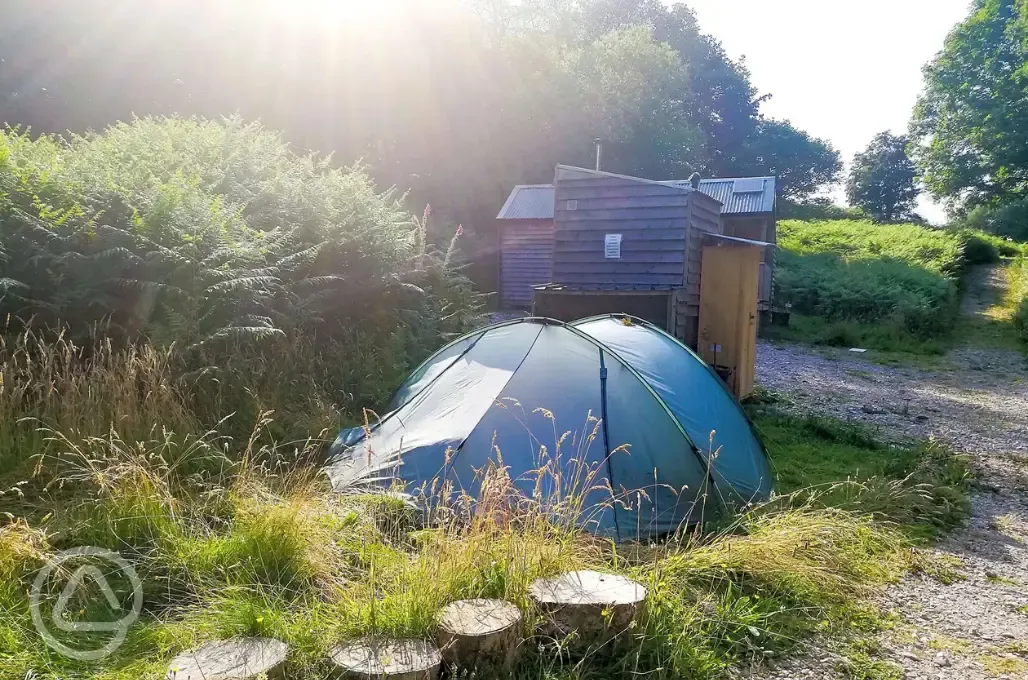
x: 1017, y: 297
x: 894, y: 288
x: 919, y: 488
x: 240, y: 536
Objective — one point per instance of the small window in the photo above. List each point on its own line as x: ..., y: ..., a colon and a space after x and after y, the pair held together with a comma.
x: 572, y: 205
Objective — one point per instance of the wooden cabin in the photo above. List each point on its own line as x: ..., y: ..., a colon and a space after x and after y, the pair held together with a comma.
x: 748, y: 212
x: 627, y: 245
x: 656, y: 250
x: 526, y: 227
x: 526, y: 244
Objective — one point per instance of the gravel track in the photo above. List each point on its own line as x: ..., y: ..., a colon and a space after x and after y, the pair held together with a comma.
x: 976, y: 401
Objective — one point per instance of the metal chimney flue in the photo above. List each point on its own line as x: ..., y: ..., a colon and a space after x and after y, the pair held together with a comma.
x: 599, y: 152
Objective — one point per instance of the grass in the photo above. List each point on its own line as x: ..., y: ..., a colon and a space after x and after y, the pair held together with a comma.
x: 921, y: 488
x: 881, y: 337
x: 1017, y: 296
x: 900, y: 275
x: 891, y: 288
x: 997, y: 665
x: 894, y: 288
x: 241, y: 536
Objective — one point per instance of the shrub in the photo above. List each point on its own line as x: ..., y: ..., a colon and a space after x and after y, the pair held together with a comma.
x: 904, y: 275
x: 218, y: 241
x: 1008, y: 220
x: 818, y: 209
x: 979, y: 248
x: 1018, y: 275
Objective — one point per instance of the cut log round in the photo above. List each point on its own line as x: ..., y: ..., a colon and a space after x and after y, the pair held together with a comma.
x: 236, y: 659
x: 481, y: 634
x: 388, y: 660
x: 597, y: 606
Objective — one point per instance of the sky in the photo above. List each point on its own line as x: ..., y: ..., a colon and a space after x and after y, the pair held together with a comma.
x: 841, y: 70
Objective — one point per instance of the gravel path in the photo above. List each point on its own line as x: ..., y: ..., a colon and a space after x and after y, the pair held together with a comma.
x: 977, y: 401
x: 986, y: 285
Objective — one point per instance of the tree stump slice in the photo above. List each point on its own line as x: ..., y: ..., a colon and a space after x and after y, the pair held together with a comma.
x: 597, y: 606
x: 388, y: 660
x: 236, y: 659
x: 482, y: 634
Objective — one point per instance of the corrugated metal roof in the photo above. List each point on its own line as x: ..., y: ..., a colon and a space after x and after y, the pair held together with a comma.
x: 738, y: 196
x: 528, y: 202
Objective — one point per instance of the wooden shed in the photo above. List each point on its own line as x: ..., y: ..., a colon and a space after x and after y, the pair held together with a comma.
x: 748, y: 212
x: 625, y: 244
x: 526, y: 221
x: 526, y: 243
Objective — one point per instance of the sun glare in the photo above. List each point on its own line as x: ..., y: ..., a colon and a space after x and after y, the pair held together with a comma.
x: 330, y: 10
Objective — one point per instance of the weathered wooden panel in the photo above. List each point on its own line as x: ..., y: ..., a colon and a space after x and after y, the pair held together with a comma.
x: 728, y: 312
x: 625, y: 202
x: 635, y: 256
x: 641, y: 231
x: 623, y: 281
x: 621, y: 267
x: 571, y: 307
x: 705, y: 213
x: 585, y: 214
x: 764, y: 292
x: 526, y: 260
x: 651, y: 219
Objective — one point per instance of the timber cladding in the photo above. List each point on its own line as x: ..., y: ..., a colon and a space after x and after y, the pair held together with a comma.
x: 650, y: 220
x: 526, y: 260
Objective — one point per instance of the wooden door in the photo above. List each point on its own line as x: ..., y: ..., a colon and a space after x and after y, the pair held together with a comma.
x: 729, y: 281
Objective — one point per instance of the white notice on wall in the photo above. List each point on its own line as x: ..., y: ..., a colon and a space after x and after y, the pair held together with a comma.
x: 612, y: 247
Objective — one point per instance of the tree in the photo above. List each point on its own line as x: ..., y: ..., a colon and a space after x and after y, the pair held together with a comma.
x: 882, y: 179
x: 803, y: 164
x: 722, y: 104
x: 627, y: 90
x: 453, y: 102
x: 971, y: 123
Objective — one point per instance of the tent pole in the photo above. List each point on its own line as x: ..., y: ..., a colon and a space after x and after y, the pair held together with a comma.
x: 606, y: 439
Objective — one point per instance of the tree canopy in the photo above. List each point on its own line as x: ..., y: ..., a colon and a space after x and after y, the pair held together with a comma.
x: 452, y: 99
x: 971, y: 123
x: 882, y: 181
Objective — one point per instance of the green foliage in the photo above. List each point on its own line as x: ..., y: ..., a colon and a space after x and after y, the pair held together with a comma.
x: 881, y: 180
x: 884, y: 336
x: 217, y: 240
x: 1018, y: 294
x: 526, y: 85
x: 817, y: 209
x: 904, y: 275
x: 971, y: 125
x: 1007, y: 219
x: 922, y: 487
x: 801, y: 165
x: 981, y: 248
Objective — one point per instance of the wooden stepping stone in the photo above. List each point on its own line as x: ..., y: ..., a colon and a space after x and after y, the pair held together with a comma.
x: 236, y: 659
x: 388, y: 660
x: 482, y: 634
x: 597, y: 606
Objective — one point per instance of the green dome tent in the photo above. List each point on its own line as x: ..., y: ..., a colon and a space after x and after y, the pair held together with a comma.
x: 647, y: 418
